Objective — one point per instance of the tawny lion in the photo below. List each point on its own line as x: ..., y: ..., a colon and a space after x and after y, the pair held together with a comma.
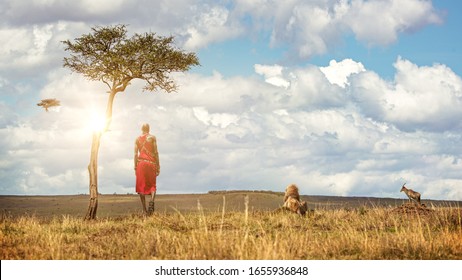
x: 292, y: 200
x: 412, y: 195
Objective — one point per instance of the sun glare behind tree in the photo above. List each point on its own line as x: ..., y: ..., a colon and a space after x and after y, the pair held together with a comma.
x: 109, y: 56
x: 97, y: 122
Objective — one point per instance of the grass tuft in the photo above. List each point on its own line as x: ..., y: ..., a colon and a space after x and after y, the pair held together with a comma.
x: 368, y: 233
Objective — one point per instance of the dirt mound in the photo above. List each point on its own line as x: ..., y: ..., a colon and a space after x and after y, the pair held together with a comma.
x: 412, y: 208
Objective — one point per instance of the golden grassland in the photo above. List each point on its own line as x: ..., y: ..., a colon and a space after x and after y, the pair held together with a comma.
x: 363, y: 233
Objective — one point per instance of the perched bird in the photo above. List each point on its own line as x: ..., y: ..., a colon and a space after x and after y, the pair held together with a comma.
x: 47, y: 103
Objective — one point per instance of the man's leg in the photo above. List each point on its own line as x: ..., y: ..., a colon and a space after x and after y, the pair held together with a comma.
x: 151, y: 203
x: 143, y: 202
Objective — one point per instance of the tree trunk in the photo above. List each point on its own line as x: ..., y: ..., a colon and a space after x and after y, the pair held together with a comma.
x: 93, y: 165
x: 93, y: 172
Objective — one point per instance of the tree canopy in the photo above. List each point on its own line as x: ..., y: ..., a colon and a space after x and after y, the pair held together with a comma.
x: 108, y: 55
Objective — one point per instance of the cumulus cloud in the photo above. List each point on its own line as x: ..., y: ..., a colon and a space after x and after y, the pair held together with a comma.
x: 272, y: 74
x: 306, y: 28
x: 240, y: 133
x: 395, y: 17
x: 31, y: 51
x: 338, y: 72
x: 211, y: 26
x: 45, y: 12
x: 427, y: 97
x: 315, y: 27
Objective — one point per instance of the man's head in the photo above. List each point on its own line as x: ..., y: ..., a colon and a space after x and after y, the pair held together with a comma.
x: 145, y: 128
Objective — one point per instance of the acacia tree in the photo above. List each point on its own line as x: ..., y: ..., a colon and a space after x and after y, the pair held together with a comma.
x: 108, y: 55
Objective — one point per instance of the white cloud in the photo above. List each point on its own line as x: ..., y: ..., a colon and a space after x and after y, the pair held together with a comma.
x: 338, y: 72
x: 315, y: 27
x: 240, y: 133
x: 211, y: 25
x: 272, y: 74
x: 46, y: 11
x: 102, y: 7
x: 31, y: 51
x: 310, y: 27
x: 395, y: 17
x: 311, y: 89
x: 427, y: 97
x: 221, y: 120
x: 306, y: 28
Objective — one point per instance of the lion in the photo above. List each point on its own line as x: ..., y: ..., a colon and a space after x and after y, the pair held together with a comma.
x: 292, y: 200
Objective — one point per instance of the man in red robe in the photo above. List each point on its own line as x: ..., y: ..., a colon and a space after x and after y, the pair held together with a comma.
x: 147, y: 167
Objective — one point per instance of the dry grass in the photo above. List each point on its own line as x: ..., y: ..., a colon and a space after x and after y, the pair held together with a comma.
x: 364, y: 233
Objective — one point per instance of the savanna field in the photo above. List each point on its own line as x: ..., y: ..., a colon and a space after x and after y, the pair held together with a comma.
x: 228, y: 227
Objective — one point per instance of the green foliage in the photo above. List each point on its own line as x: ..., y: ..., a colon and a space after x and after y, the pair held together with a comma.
x: 109, y: 55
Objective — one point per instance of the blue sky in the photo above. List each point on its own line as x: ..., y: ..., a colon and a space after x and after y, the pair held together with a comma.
x: 437, y: 43
x: 340, y: 97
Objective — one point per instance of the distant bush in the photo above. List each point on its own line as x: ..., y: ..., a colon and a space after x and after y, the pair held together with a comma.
x: 244, y: 191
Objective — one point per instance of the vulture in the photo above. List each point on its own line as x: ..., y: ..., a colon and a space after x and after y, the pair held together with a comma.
x: 47, y: 103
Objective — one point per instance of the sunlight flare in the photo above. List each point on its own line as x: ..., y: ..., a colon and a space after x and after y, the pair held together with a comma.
x: 97, y: 122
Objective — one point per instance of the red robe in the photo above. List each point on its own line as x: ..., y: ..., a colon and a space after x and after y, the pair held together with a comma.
x: 146, y: 169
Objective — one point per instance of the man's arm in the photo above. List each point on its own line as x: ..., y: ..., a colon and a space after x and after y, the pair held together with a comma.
x: 156, y: 154
x: 135, y: 158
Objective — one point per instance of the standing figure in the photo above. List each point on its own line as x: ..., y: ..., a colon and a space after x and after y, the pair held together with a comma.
x: 412, y: 195
x: 147, y: 167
